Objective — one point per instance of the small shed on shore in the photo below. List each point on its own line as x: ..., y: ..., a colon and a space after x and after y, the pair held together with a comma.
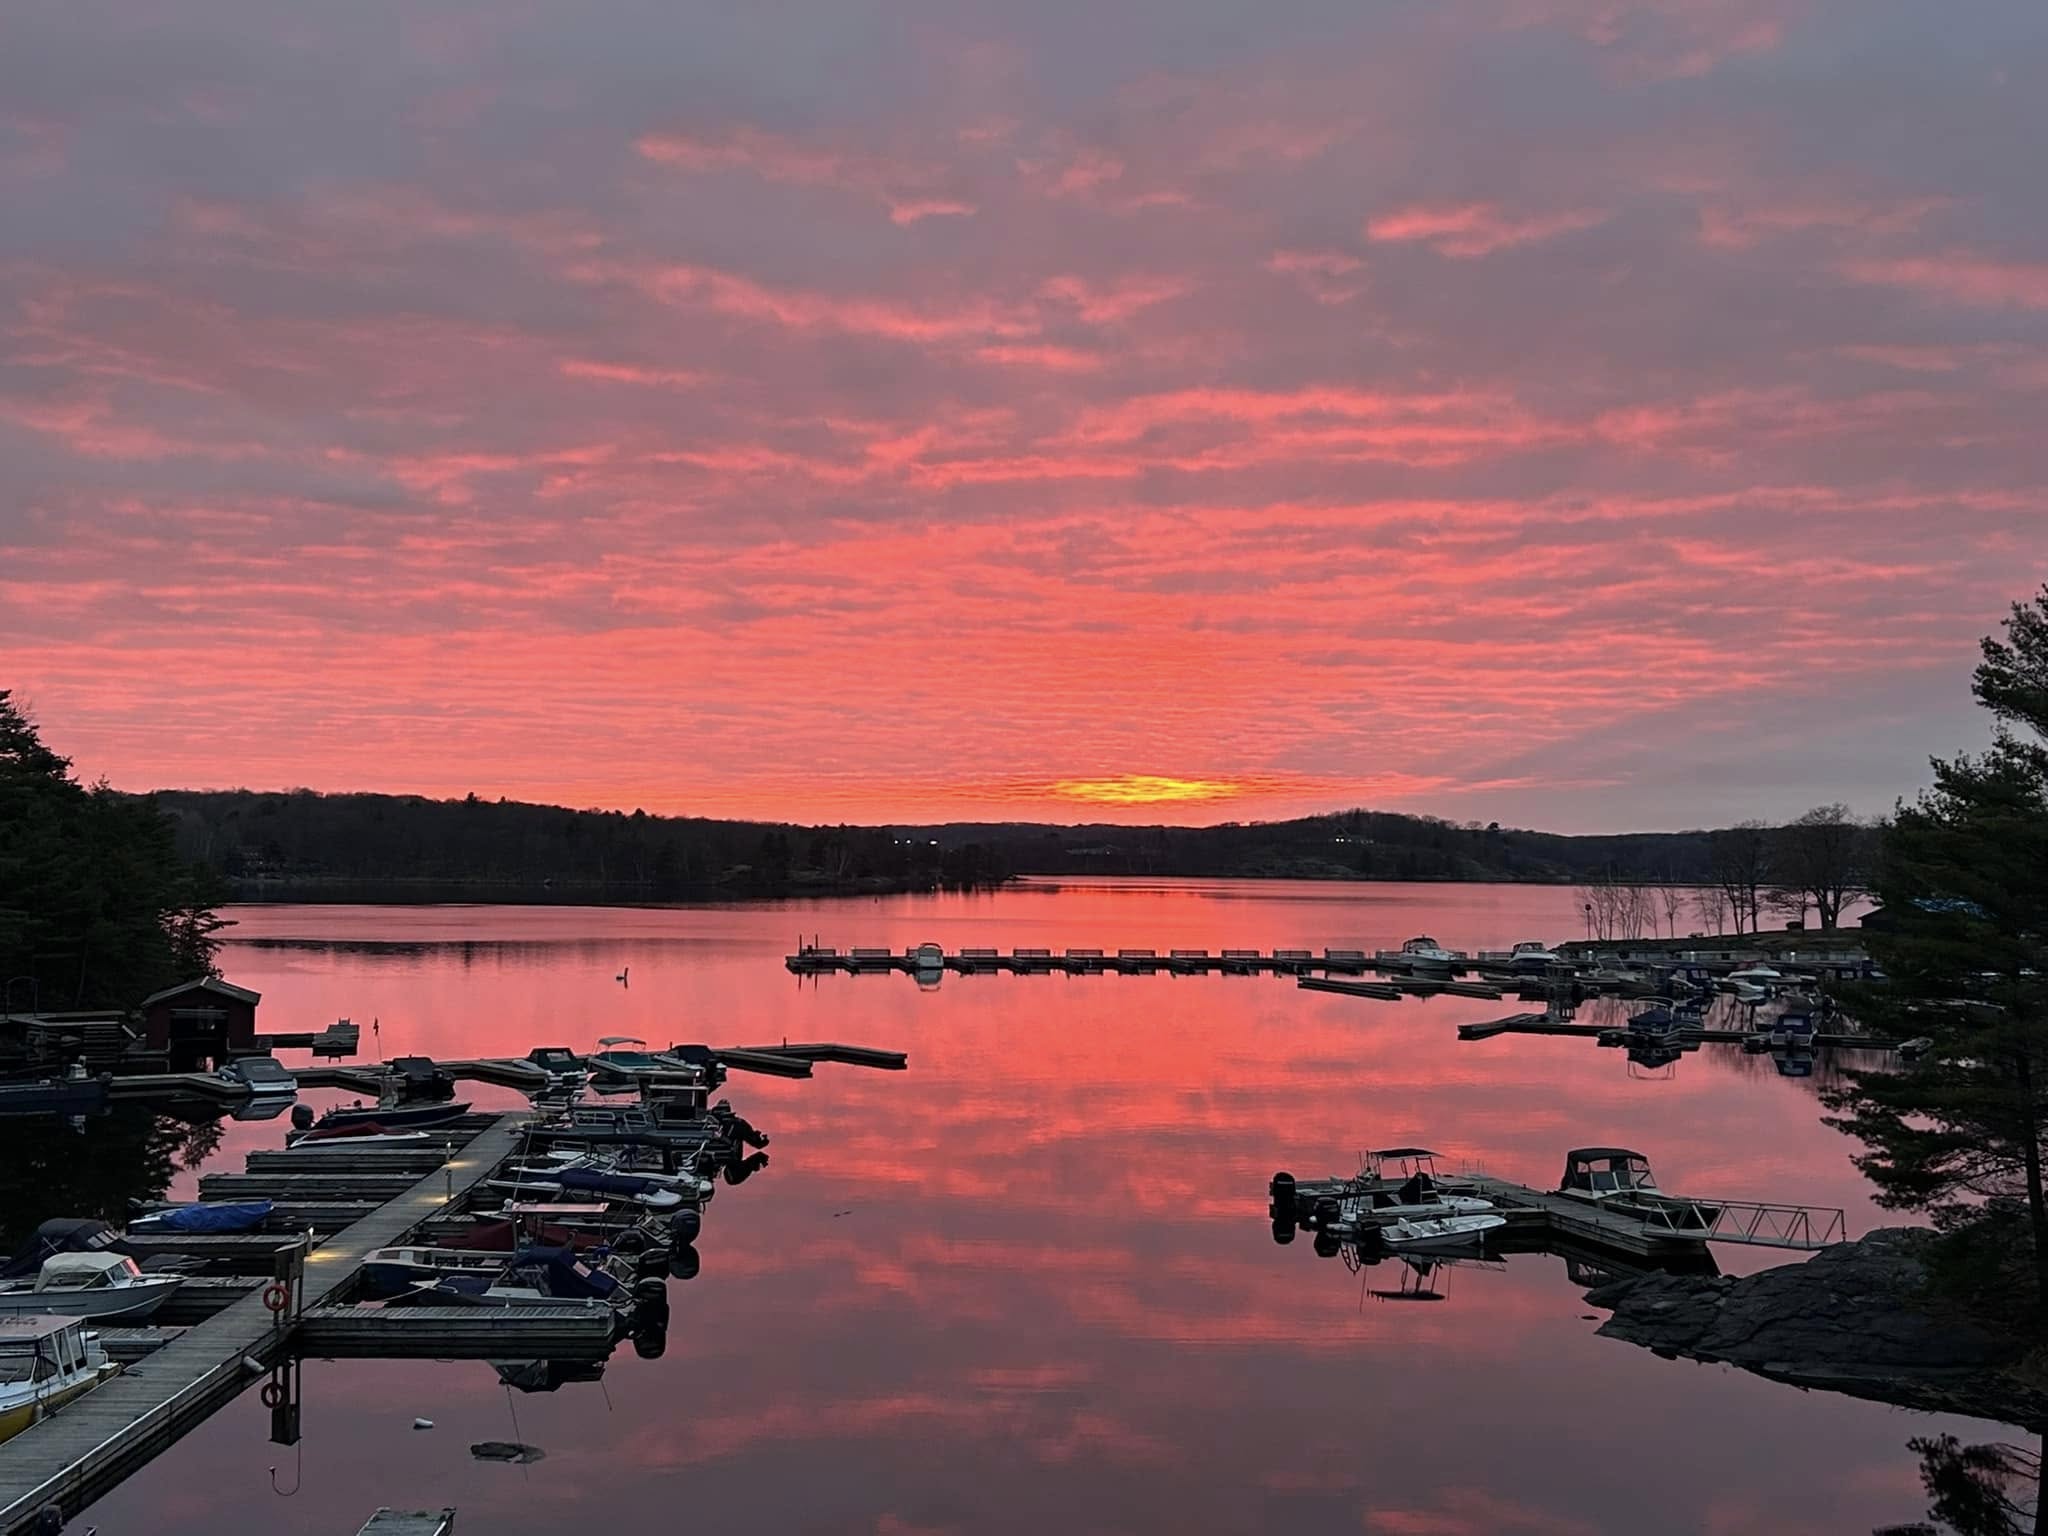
x: 207, y: 1017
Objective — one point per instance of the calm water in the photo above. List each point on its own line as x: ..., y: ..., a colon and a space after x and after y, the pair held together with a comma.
x: 1029, y: 1283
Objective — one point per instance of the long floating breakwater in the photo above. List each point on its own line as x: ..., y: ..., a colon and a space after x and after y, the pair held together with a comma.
x: 622, y: 1186
x: 1613, y: 969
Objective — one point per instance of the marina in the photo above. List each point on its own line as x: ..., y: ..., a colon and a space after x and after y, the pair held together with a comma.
x: 296, y: 1288
x: 809, y: 1262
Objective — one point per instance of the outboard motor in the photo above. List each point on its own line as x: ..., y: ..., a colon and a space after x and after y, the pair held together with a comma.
x: 684, y: 1263
x: 685, y: 1225
x: 1326, y: 1245
x: 302, y: 1117
x: 650, y: 1343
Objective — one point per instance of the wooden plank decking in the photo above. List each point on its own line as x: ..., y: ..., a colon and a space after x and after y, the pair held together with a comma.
x: 74, y: 1454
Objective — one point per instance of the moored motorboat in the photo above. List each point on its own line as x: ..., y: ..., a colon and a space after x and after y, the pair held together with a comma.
x: 207, y: 1216
x: 589, y: 1183
x: 45, y: 1362
x: 264, y: 1076
x: 75, y: 1093
x: 1618, y: 1180
x: 361, y: 1138
x: 104, y: 1287
x: 395, y: 1270
x: 533, y: 1277
x: 1421, y: 956
x: 1533, y: 959
x: 1797, y: 1023
x: 1438, y: 1232
x: 1758, y: 975
x: 373, y: 1119
x: 545, y: 1167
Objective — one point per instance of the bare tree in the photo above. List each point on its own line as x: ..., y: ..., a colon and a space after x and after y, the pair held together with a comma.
x: 1617, y: 909
x: 1819, y: 859
x: 1710, y: 902
x: 1672, y: 899
x: 1739, y: 858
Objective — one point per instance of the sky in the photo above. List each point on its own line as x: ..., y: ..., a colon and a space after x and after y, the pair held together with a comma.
x: 1588, y: 414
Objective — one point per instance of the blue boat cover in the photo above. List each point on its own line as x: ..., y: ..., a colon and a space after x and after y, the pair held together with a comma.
x: 564, y: 1277
x: 224, y: 1216
x: 625, y: 1184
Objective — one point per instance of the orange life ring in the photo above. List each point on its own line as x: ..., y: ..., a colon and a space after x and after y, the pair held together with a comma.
x: 277, y: 1296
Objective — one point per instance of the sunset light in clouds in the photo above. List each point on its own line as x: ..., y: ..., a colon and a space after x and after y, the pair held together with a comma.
x: 1578, y: 413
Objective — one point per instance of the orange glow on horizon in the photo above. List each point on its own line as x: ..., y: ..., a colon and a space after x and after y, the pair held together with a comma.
x: 1145, y: 789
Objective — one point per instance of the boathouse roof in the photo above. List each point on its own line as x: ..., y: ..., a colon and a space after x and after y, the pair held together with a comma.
x: 204, y: 984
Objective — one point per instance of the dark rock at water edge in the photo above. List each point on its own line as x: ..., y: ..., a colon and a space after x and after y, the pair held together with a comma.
x: 1852, y: 1319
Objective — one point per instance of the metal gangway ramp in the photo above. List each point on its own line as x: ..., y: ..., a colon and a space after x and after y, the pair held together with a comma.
x: 1757, y: 1223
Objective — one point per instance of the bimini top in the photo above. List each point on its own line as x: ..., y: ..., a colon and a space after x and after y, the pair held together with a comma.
x: 22, y: 1331
x: 1402, y: 1152
x: 1593, y: 1154
x: 74, y: 1271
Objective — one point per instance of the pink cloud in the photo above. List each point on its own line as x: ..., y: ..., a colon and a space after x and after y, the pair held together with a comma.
x: 1105, y: 303
x: 629, y: 373
x: 1738, y: 227
x: 910, y: 191
x: 1327, y: 276
x: 1475, y: 229
x: 1959, y: 277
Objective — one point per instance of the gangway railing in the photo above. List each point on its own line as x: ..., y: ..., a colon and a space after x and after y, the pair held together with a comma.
x: 1760, y: 1224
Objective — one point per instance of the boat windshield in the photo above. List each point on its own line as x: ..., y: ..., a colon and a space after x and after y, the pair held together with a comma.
x: 1610, y: 1175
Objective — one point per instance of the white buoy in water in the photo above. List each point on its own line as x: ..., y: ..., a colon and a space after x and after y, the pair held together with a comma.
x: 422, y: 1423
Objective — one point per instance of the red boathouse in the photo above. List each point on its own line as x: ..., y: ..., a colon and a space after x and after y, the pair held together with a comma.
x: 207, y: 1017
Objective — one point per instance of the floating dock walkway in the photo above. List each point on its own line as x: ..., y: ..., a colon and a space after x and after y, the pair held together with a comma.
x: 1314, y: 969
x: 78, y: 1452
x: 1544, y: 1218
x: 1615, y: 1034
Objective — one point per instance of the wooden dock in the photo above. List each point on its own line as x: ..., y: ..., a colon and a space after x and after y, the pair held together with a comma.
x: 1618, y: 1035
x: 1540, y: 1216
x: 73, y: 1455
x: 568, y: 1331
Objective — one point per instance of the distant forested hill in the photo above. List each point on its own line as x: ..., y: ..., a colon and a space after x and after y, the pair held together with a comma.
x: 370, y: 847
x: 1345, y: 845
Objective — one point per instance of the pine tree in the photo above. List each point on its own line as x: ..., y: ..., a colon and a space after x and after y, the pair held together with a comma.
x: 97, y: 909
x: 1962, y: 876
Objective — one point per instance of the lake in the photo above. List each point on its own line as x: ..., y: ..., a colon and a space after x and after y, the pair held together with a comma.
x: 1030, y: 1283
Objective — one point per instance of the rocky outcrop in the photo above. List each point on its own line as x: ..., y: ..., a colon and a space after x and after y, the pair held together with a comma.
x: 1851, y: 1319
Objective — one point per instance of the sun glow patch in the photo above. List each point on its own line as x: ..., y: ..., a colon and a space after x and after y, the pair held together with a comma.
x: 1144, y: 789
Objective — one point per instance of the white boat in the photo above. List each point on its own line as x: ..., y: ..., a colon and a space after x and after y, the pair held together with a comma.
x: 357, y: 1143
x: 1619, y: 1180
x: 105, y: 1287
x: 1421, y: 955
x: 631, y: 1188
x: 1401, y: 1184
x: 546, y: 1167
x: 1531, y: 958
x: 929, y: 959
x: 1759, y: 976
x: 45, y: 1362
x: 1442, y: 1231
x: 1748, y: 992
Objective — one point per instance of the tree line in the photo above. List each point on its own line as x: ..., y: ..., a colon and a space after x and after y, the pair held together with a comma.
x: 304, y: 843
x: 97, y: 907
x: 1818, y: 863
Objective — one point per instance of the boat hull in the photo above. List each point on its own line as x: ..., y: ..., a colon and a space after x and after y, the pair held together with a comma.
x: 121, y: 1303
x: 15, y: 1416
